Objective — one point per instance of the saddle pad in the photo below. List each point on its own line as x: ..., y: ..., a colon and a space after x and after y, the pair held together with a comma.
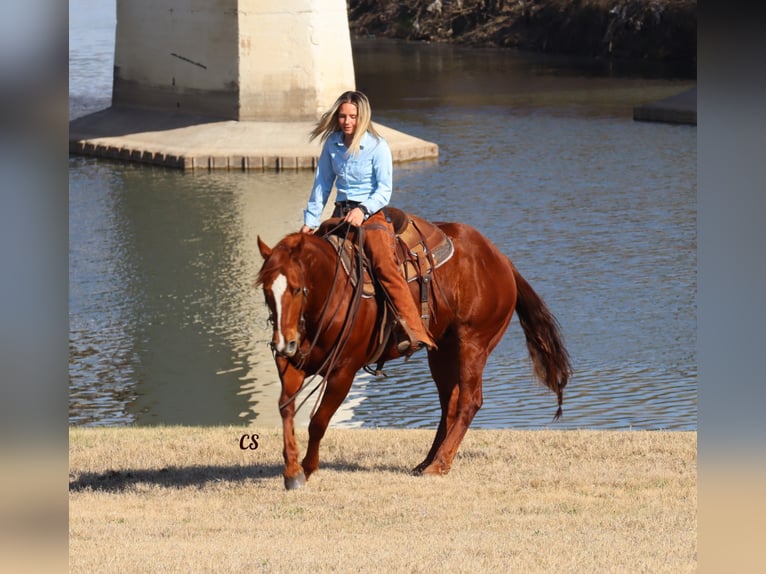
x: 421, y: 247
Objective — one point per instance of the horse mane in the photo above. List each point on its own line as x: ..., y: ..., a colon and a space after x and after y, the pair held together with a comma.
x: 289, y: 249
x: 281, y: 254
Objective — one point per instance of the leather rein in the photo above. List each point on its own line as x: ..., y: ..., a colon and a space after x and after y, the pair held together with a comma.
x: 340, y: 343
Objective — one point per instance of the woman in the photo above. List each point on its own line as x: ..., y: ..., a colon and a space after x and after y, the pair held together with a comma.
x: 358, y: 161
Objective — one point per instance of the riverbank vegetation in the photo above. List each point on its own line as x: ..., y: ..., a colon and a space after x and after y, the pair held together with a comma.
x: 653, y: 30
x: 188, y: 499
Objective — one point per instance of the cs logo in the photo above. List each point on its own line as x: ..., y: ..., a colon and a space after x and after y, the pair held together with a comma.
x: 248, y: 442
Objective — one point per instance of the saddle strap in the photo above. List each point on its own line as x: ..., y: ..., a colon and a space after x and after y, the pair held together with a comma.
x: 424, y: 310
x: 424, y: 268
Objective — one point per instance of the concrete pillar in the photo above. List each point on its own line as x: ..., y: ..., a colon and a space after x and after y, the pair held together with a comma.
x: 262, y: 60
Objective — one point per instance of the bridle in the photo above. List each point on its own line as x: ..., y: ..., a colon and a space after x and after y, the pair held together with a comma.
x: 303, y: 291
x: 340, y: 343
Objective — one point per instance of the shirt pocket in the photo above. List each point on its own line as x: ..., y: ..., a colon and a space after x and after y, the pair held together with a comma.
x: 339, y: 163
x: 359, y: 170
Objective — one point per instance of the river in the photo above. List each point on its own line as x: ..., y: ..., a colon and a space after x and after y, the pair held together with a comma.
x: 541, y: 153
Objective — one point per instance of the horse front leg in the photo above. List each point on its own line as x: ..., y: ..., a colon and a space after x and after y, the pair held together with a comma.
x: 292, y: 379
x: 338, y: 385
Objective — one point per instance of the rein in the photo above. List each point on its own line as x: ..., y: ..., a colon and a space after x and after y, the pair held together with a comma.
x: 340, y: 343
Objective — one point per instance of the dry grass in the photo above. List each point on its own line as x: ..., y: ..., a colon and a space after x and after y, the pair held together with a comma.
x: 176, y: 499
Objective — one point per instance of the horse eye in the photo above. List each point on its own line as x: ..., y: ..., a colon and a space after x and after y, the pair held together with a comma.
x: 297, y: 291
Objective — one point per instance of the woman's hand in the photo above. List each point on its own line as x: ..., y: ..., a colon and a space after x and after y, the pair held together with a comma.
x: 306, y: 229
x: 355, y: 217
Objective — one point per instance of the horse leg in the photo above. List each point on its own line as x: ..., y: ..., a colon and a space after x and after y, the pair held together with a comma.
x: 449, y: 406
x: 464, y: 403
x: 338, y: 385
x: 292, y: 379
x: 443, y: 371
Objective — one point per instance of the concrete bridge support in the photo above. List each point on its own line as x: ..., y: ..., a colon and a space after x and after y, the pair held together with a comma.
x: 232, y: 84
x: 233, y: 59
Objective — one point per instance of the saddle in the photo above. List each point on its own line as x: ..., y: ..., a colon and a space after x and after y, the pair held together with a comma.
x: 421, y: 247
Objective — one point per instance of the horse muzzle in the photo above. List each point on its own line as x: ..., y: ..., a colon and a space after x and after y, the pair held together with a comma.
x: 287, y: 349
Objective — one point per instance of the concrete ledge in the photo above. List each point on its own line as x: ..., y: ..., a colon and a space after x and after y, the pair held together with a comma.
x: 678, y: 109
x: 190, y: 142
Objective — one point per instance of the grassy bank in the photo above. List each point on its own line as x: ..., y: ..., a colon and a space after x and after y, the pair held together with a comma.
x: 181, y: 499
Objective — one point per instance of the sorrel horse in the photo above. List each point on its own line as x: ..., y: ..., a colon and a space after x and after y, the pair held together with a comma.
x: 316, y: 316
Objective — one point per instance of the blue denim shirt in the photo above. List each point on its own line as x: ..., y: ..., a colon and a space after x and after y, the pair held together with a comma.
x: 365, y: 177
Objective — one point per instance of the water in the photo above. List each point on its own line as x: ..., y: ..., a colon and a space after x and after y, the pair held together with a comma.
x: 597, y: 212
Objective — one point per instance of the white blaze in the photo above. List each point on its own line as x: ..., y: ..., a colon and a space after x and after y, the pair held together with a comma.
x: 278, y: 288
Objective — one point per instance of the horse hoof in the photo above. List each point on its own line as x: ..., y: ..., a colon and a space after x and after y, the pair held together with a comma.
x: 295, y: 482
x: 430, y: 470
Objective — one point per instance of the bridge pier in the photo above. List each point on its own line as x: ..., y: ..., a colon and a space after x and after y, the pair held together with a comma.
x: 233, y: 84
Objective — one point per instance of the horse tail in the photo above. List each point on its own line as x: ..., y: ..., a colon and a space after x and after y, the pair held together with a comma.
x: 544, y: 339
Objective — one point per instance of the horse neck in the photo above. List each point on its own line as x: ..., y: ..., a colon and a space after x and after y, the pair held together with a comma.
x: 320, y: 262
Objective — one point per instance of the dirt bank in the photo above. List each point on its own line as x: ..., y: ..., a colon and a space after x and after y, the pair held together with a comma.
x: 656, y: 30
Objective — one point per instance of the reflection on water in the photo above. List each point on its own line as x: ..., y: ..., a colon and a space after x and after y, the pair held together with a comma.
x: 162, y: 267
x: 415, y: 77
x: 596, y: 211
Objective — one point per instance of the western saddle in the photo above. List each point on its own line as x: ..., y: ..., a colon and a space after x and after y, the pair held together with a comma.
x: 421, y: 247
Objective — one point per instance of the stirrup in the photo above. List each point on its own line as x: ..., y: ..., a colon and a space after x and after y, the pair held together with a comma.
x: 407, y: 346
x: 409, y: 343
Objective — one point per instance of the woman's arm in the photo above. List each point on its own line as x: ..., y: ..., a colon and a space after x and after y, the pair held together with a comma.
x: 320, y: 192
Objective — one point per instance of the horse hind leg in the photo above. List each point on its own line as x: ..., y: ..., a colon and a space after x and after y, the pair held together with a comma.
x: 443, y: 371
x: 448, y: 393
x: 457, y: 368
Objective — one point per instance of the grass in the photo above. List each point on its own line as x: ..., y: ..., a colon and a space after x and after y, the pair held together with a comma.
x: 188, y: 499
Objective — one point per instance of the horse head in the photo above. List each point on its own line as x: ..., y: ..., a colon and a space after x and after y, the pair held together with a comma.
x: 283, y: 279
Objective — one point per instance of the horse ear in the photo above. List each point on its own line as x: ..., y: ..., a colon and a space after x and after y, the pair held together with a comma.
x: 295, y: 244
x: 263, y: 248
x: 299, y: 246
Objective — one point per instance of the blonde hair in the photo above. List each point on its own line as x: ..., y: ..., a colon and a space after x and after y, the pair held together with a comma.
x: 328, y: 123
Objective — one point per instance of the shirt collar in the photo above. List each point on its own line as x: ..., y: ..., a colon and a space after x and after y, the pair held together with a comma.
x: 339, y: 139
